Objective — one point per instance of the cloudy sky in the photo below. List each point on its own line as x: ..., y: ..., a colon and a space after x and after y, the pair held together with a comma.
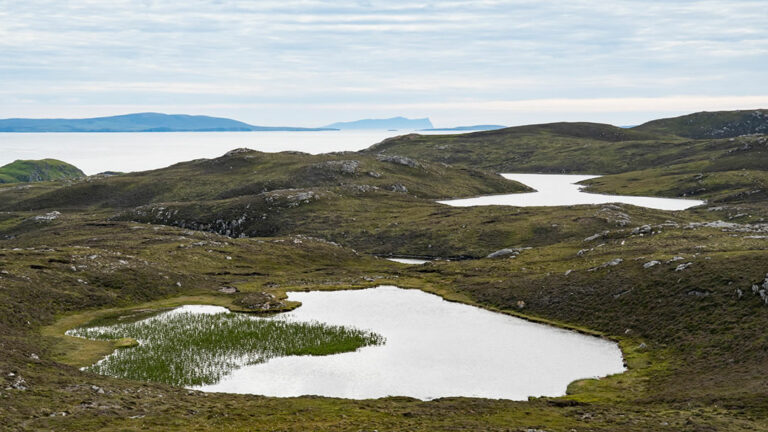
x: 308, y: 63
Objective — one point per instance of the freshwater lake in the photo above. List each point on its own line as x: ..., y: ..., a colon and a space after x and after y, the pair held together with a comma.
x: 563, y: 190
x: 434, y: 348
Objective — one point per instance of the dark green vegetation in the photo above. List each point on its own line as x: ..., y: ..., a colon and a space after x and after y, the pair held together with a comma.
x: 193, y: 349
x: 721, y: 124
x: 684, y: 293
x: 141, y: 122
x: 284, y: 179
x: 26, y: 171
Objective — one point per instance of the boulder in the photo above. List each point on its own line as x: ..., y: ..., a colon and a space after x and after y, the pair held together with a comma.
x: 400, y: 160
x: 506, y: 252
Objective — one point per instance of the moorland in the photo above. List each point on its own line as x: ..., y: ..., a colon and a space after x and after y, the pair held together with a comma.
x: 684, y: 293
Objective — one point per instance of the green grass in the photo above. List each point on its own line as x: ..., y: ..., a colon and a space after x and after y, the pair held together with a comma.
x: 22, y: 171
x: 194, y: 349
x: 720, y: 124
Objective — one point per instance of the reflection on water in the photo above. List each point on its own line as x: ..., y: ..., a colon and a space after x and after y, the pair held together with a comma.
x: 562, y: 190
x: 433, y: 348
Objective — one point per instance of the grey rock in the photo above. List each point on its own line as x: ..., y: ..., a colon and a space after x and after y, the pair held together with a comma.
x: 228, y: 290
x: 400, y: 160
x: 347, y: 167
x: 682, y: 267
x: 596, y: 236
x: 399, y: 188
x: 763, y: 296
x: 645, y: 229
x: 650, y: 264
x: 611, y: 263
x: 506, y: 252
x: 47, y: 217
x: 18, y: 384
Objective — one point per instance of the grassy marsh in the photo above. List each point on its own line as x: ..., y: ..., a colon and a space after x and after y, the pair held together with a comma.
x: 186, y: 348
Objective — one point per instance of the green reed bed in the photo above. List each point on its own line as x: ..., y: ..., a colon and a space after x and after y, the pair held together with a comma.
x: 192, y: 349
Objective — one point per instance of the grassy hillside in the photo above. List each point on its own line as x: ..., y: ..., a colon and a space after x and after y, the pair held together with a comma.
x: 693, y: 339
x: 23, y: 171
x: 719, y: 124
x: 248, y: 173
x: 683, y: 293
x: 552, y: 148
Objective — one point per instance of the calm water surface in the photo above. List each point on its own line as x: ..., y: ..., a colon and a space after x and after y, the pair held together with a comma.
x: 410, y: 261
x: 97, y: 152
x: 562, y: 190
x: 434, y: 348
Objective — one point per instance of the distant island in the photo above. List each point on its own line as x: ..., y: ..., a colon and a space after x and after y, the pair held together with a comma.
x: 394, y: 123
x: 467, y: 128
x: 140, y: 122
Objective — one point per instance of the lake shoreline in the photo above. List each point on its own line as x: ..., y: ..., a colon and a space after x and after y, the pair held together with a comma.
x: 99, y: 349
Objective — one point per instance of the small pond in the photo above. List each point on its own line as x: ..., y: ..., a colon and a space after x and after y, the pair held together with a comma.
x: 562, y: 190
x: 360, y: 344
x: 410, y: 261
x: 434, y: 348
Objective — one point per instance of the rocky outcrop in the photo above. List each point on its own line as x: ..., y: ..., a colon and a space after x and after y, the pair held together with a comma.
x: 260, y: 302
x: 400, y: 160
x: 507, y: 252
x: 612, y: 263
x: 344, y: 167
x: 398, y: 187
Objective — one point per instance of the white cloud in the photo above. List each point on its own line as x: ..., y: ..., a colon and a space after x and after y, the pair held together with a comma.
x: 374, y: 53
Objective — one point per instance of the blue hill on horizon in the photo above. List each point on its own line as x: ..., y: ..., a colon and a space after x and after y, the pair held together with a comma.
x: 139, y: 122
x: 383, y: 124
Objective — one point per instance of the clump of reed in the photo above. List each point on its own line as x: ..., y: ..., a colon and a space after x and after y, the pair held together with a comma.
x: 192, y: 349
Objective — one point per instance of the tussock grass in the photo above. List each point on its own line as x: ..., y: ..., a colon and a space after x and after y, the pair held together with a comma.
x: 191, y: 349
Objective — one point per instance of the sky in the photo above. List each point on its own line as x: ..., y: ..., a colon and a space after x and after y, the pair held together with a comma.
x: 310, y: 63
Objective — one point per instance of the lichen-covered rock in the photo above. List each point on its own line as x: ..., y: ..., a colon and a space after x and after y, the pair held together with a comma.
x: 645, y: 229
x: 506, y: 252
x: 398, y: 187
x: 400, y: 160
x: 346, y: 167
x: 260, y: 302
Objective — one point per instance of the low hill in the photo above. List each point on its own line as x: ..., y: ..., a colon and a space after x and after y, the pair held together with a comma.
x: 245, y: 172
x: 141, y: 122
x: 381, y: 124
x: 720, y: 124
x: 23, y: 171
x: 553, y: 147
